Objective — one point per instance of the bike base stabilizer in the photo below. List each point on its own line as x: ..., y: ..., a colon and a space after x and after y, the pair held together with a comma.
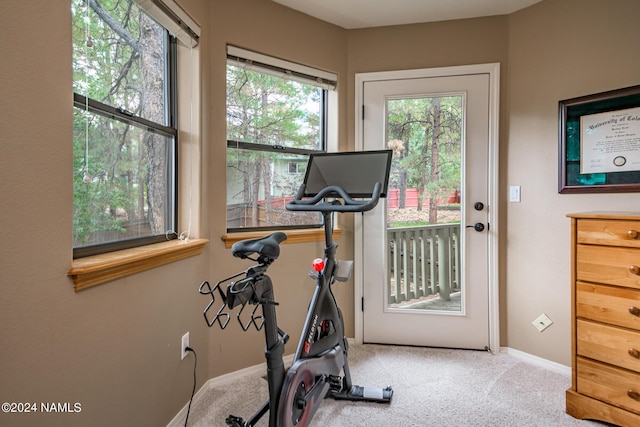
x: 367, y: 394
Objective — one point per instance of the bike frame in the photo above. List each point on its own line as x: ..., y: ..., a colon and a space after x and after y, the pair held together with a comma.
x: 323, y: 306
x: 320, y: 366
x: 310, y: 346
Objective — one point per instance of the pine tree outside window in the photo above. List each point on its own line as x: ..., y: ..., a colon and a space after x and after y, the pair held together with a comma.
x: 125, y: 127
x: 276, y: 117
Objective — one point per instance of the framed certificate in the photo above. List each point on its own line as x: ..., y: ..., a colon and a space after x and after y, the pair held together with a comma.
x: 599, y: 143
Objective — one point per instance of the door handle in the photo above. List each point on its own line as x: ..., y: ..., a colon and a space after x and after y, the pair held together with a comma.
x: 478, y: 226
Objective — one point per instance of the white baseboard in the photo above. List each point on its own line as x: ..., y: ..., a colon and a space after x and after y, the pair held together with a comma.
x: 260, y: 369
x: 538, y: 361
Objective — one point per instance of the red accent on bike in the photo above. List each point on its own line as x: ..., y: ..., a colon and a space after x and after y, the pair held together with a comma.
x: 318, y: 264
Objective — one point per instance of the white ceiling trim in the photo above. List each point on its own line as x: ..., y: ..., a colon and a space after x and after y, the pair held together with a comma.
x: 352, y: 14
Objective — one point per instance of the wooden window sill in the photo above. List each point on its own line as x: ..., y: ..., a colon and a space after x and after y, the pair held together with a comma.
x: 98, y: 269
x: 293, y: 236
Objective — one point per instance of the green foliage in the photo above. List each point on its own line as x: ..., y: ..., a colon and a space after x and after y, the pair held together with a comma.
x: 425, y: 133
x: 400, y: 224
x: 106, y: 68
x: 263, y: 109
x: 110, y: 157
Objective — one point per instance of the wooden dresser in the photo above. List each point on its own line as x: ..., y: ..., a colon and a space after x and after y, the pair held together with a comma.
x: 605, y: 313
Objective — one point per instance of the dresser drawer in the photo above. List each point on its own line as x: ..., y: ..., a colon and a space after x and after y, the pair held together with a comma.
x: 608, y: 232
x: 609, y: 265
x: 615, y: 346
x: 608, y: 304
x: 608, y: 384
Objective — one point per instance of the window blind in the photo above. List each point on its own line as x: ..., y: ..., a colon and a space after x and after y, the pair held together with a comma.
x: 279, y: 67
x: 170, y: 15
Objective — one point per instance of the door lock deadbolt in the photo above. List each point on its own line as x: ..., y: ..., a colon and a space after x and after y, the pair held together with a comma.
x: 478, y: 206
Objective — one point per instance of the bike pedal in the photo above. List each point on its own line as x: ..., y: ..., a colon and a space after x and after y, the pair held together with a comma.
x: 234, y: 421
x: 335, y: 383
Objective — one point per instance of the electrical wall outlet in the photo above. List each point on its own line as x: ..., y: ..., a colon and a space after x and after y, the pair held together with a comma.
x: 184, y: 343
x: 542, y: 322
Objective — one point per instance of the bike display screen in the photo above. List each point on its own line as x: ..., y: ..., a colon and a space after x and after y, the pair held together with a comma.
x: 355, y: 172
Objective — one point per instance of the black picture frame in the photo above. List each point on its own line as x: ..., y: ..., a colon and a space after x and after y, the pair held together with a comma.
x: 570, y: 112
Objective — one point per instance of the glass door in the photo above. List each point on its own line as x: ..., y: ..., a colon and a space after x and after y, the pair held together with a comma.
x: 425, y: 252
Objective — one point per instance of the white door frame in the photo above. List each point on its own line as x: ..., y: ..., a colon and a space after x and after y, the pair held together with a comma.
x: 493, y: 70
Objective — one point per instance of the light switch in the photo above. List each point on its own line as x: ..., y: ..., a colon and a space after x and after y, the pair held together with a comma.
x: 514, y: 194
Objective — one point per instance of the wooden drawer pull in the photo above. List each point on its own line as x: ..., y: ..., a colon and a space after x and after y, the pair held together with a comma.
x: 634, y: 269
x: 634, y: 310
x: 633, y: 234
x: 634, y: 353
x: 634, y: 395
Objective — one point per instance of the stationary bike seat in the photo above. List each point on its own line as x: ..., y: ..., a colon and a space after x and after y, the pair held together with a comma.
x: 268, y: 246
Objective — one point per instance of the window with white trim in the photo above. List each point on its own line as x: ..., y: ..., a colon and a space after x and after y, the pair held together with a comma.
x: 125, y: 121
x: 297, y: 167
x: 277, y: 114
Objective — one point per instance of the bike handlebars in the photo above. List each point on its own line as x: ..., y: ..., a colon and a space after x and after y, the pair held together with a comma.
x: 350, y: 205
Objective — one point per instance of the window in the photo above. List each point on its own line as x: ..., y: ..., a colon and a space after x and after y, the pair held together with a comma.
x: 276, y: 116
x: 297, y: 167
x: 125, y: 127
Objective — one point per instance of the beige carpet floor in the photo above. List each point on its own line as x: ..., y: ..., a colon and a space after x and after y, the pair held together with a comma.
x: 432, y: 387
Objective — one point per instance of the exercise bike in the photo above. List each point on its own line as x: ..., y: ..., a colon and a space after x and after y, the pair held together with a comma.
x: 320, y: 366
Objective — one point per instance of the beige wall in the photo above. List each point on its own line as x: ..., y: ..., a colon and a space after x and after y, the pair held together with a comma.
x: 558, y: 49
x: 554, y: 50
x: 114, y: 348
x: 280, y: 32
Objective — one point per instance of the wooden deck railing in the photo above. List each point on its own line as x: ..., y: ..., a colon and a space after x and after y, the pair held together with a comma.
x: 423, y: 261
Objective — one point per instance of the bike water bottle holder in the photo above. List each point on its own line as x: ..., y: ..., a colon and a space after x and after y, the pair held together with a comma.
x: 343, y: 270
x: 239, y: 293
x: 205, y: 289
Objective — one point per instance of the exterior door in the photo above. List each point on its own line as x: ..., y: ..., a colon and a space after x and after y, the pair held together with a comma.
x: 427, y: 249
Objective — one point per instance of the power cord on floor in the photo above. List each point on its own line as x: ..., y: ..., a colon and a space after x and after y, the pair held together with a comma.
x: 195, y: 365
